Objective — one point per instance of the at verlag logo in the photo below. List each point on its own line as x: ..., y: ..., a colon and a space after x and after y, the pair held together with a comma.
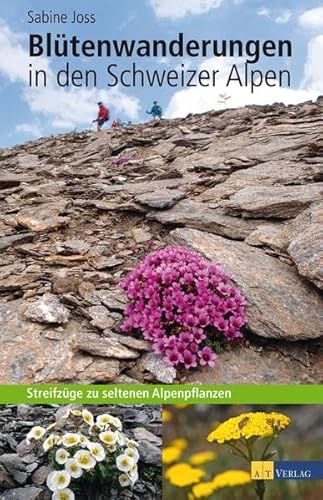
x: 287, y: 470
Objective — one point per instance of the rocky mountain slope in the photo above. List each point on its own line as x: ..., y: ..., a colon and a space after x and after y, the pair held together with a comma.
x: 78, y: 211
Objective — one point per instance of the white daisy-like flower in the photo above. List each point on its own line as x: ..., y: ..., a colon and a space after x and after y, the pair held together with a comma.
x: 83, y: 441
x: 108, y: 437
x: 58, y: 440
x: 73, y: 468
x: 61, y: 456
x: 58, y: 480
x: 120, y: 438
x: 112, y: 448
x: 133, y: 453
x: 124, y: 480
x: 71, y: 439
x: 48, y: 443
x: 116, y: 422
x: 84, y: 459
x: 97, y: 451
x: 133, y: 474
x: 125, y: 463
x: 88, y: 417
x: 131, y: 443
x: 36, y: 433
x: 104, y: 420
x: 65, y: 494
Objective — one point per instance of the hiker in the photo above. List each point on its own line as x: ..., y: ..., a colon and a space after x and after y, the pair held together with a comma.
x: 155, y: 111
x: 103, y: 116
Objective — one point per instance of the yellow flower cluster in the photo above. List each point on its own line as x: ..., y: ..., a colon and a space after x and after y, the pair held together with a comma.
x: 231, y: 478
x: 247, y: 425
x: 171, y: 454
x: 174, y: 451
x: 203, y: 490
x: 226, y: 479
x: 202, y: 458
x: 183, y: 475
x: 180, y: 443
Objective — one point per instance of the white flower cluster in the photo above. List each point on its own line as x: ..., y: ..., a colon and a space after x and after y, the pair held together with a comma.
x: 96, y: 440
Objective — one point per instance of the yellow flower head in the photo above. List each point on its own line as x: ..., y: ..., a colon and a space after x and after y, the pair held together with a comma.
x: 166, y: 416
x: 247, y: 425
x: 180, y: 443
x: 202, y: 458
x: 183, y: 475
x: 231, y: 478
x: 203, y: 490
x: 171, y: 454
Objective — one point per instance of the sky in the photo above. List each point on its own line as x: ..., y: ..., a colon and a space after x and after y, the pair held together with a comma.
x: 29, y: 113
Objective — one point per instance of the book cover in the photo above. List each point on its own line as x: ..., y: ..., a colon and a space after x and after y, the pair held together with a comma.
x: 160, y: 236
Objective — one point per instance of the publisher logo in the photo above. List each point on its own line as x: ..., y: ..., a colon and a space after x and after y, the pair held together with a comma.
x: 287, y: 470
x: 262, y: 470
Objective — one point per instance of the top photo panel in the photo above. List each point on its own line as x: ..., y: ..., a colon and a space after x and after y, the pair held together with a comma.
x: 161, y: 193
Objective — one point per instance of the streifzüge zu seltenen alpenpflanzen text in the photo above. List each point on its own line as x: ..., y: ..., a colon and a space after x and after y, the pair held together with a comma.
x: 244, y: 71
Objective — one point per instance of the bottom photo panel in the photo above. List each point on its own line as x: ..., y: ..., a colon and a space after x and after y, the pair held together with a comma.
x: 80, y: 452
x: 248, y: 452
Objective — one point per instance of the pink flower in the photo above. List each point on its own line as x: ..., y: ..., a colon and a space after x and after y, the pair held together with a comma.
x: 193, y: 347
x: 207, y: 356
x: 189, y: 359
x: 186, y: 337
x: 173, y: 357
x: 199, y: 335
x: 237, y: 322
x: 159, y: 347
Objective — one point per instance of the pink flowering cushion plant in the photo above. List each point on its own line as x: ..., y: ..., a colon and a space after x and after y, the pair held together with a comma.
x: 183, y: 304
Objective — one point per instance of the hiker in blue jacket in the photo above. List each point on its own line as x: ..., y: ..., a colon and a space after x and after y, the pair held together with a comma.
x: 156, y: 111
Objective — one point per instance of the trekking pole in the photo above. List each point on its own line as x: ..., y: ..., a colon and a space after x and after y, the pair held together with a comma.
x: 90, y: 127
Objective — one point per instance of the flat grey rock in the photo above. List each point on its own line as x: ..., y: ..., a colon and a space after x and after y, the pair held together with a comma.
x: 280, y: 305
x: 306, y: 245
x: 281, y: 202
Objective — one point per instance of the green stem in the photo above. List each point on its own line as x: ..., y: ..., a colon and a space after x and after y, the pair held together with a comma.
x: 266, y: 448
x: 258, y: 484
x: 249, y: 450
x: 239, y: 452
x: 260, y: 489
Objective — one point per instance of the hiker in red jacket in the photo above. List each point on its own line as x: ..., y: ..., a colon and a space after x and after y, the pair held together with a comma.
x: 103, y: 115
